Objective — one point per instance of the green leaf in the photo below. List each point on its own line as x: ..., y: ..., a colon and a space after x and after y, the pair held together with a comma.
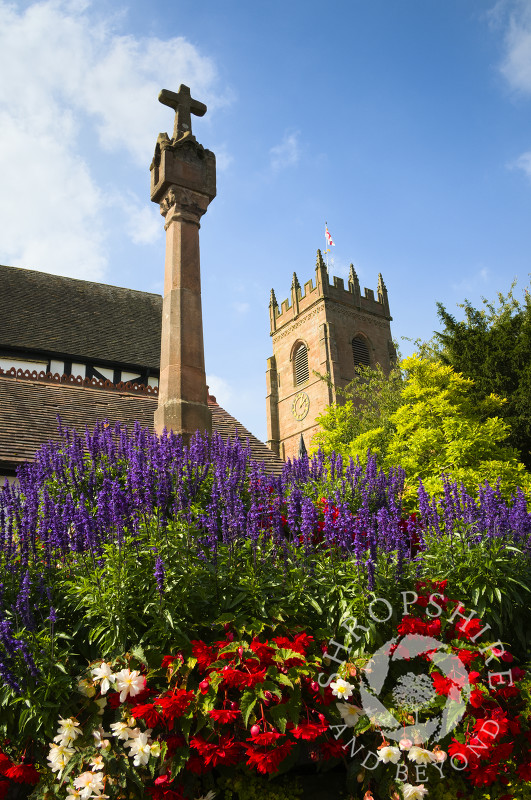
x: 315, y: 604
x: 279, y: 716
x: 284, y: 680
x: 138, y: 653
x: 247, y: 703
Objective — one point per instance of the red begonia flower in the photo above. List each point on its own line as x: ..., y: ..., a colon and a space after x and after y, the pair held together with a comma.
x: 174, y: 704
x: 224, y: 716
x: 23, y: 773
x: 148, y: 713
x: 205, y: 655
x: 270, y: 760
x: 267, y: 738
x: 309, y: 731
x: 332, y: 748
x: 5, y: 763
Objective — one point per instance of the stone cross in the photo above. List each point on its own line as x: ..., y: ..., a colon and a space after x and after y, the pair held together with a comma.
x: 184, y: 105
x: 183, y: 183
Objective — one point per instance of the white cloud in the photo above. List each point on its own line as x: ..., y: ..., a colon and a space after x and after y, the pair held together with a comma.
x: 144, y: 224
x: 50, y: 207
x: 241, y: 307
x: 223, y: 158
x: 473, y: 282
x: 122, y: 87
x: 221, y: 389
x: 71, y: 82
x: 524, y: 163
x: 514, y: 18
x: 287, y: 153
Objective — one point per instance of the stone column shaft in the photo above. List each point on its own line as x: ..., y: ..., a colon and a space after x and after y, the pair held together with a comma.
x: 182, y: 403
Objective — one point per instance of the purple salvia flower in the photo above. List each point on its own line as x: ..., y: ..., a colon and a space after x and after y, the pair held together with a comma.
x: 22, y: 605
x: 159, y: 573
x: 308, y: 522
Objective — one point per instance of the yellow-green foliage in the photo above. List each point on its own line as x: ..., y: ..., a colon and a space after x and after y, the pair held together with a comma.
x: 368, y: 404
x: 437, y: 428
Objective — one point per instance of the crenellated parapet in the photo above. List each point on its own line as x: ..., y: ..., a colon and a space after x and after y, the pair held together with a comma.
x: 303, y: 298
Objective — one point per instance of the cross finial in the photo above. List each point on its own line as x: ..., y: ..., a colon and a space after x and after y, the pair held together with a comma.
x: 184, y: 105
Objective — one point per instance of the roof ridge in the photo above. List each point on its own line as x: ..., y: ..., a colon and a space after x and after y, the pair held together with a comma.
x: 78, y: 280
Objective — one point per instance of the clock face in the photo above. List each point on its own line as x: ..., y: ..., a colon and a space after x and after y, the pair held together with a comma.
x: 300, y: 405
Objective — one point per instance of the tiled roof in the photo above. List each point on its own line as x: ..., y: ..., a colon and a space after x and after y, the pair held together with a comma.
x: 29, y: 408
x: 79, y: 319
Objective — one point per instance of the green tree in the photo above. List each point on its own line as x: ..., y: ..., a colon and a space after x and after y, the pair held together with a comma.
x: 366, y: 404
x: 492, y: 346
x: 437, y: 427
x: 442, y: 428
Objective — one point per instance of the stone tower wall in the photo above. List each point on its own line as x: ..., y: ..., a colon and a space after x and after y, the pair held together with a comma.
x: 325, y: 316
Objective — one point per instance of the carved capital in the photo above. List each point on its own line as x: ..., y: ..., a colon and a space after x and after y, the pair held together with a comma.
x: 180, y: 203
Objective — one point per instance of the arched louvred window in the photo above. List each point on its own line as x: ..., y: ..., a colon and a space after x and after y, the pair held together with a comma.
x: 360, y: 351
x: 301, y: 364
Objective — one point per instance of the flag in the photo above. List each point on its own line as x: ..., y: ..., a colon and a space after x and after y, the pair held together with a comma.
x: 328, y: 237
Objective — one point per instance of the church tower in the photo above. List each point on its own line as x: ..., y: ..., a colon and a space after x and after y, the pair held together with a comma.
x: 326, y: 328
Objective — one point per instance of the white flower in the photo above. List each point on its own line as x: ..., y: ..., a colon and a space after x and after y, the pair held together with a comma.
x: 67, y: 731
x: 140, y: 748
x: 387, y: 754
x: 350, y: 714
x: 129, y: 683
x: 90, y: 784
x: 210, y: 796
x: 104, y: 674
x: 99, y: 738
x: 59, y: 756
x: 73, y: 794
x: 86, y: 688
x: 122, y: 730
x: 97, y: 763
x: 420, y: 756
x: 414, y: 792
x: 405, y: 744
x: 342, y: 689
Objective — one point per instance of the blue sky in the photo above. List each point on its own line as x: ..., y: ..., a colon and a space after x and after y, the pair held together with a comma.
x: 406, y: 125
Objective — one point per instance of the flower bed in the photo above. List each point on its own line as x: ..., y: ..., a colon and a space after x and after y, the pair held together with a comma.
x: 211, y: 604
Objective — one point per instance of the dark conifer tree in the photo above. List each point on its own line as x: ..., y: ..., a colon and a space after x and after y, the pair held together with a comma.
x: 492, y: 346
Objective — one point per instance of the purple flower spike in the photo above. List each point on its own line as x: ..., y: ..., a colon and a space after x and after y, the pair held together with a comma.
x: 160, y: 573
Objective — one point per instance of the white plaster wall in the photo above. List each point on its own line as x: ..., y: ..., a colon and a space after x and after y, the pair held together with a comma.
x: 57, y: 367
x: 79, y: 370
x: 107, y: 373
x: 128, y: 376
x: 8, y: 363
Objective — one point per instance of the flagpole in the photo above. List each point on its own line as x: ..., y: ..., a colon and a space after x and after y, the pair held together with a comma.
x: 327, y: 249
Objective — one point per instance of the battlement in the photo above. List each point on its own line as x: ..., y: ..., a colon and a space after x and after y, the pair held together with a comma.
x: 334, y: 290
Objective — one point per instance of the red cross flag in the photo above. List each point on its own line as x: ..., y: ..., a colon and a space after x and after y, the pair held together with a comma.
x: 329, y: 241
